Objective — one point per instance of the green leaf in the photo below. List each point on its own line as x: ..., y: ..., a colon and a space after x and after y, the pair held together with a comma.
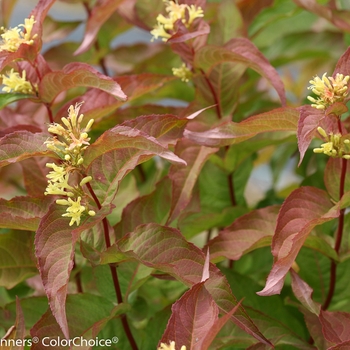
x: 16, y: 263
x: 6, y: 99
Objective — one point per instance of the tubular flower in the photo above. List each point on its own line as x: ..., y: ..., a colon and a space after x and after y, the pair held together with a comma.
x: 71, y: 139
x: 187, y: 14
x: 329, y: 90
x: 171, y: 346
x: 335, y: 145
x: 74, y: 210
x: 183, y: 72
x: 15, y: 83
x: 69, y: 143
x: 12, y: 38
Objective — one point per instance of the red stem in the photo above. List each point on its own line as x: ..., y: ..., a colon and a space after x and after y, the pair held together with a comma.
x: 339, y: 236
x: 114, y: 274
x: 212, y: 90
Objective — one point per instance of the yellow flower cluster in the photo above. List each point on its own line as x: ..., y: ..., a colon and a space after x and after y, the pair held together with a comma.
x: 69, y: 143
x: 14, y: 37
x: 329, y: 90
x: 71, y: 140
x: 13, y: 82
x: 171, y: 346
x: 335, y: 145
x: 183, y: 72
x: 187, y: 14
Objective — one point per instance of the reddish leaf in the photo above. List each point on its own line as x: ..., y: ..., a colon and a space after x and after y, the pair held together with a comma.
x: 192, y: 317
x: 165, y: 249
x: 249, y: 232
x: 34, y: 175
x: 98, y: 103
x: 331, y: 15
x: 304, y: 209
x: 342, y: 346
x: 23, y: 213
x: 184, y: 178
x: 29, y: 52
x: 125, y: 137
x: 77, y: 74
x: 21, y: 145
x: 16, y: 334
x: 229, y: 133
x: 335, y: 326
x: 315, y: 328
x: 167, y: 128
x: 332, y: 177
x: 54, y: 248
x: 240, y: 50
x: 343, y: 64
x: 250, y: 8
x: 97, y: 17
x: 205, y: 273
x: 183, y: 34
x: 309, y: 121
x: 303, y: 292
x: 215, y: 329
x: 86, y: 313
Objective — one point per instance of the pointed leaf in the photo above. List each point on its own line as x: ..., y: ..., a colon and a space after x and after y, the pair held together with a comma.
x: 16, y: 263
x: 98, y: 103
x: 6, y: 99
x: 165, y: 249
x: 279, y: 119
x: 184, y: 178
x: 249, y: 232
x: 98, y: 16
x: 215, y: 329
x: 167, y: 128
x: 125, y: 137
x: 116, y: 153
x: 23, y: 213
x: 20, y: 145
x: 304, y: 209
x: 332, y: 177
x: 77, y: 74
x: 303, y: 293
x: 343, y: 65
x: 34, y: 175
x: 192, y: 317
x: 240, y: 50
x: 328, y: 13
x: 310, y: 119
x: 336, y: 326
x: 54, y: 248
x: 84, y: 312
x: 205, y: 273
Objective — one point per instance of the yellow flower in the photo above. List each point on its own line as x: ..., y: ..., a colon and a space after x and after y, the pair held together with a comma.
x: 175, y: 12
x: 74, y: 139
x: 329, y: 90
x: 183, y: 72
x: 335, y: 145
x: 74, y: 210
x: 14, y: 82
x: 57, y: 174
x: 12, y: 38
x: 171, y: 346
